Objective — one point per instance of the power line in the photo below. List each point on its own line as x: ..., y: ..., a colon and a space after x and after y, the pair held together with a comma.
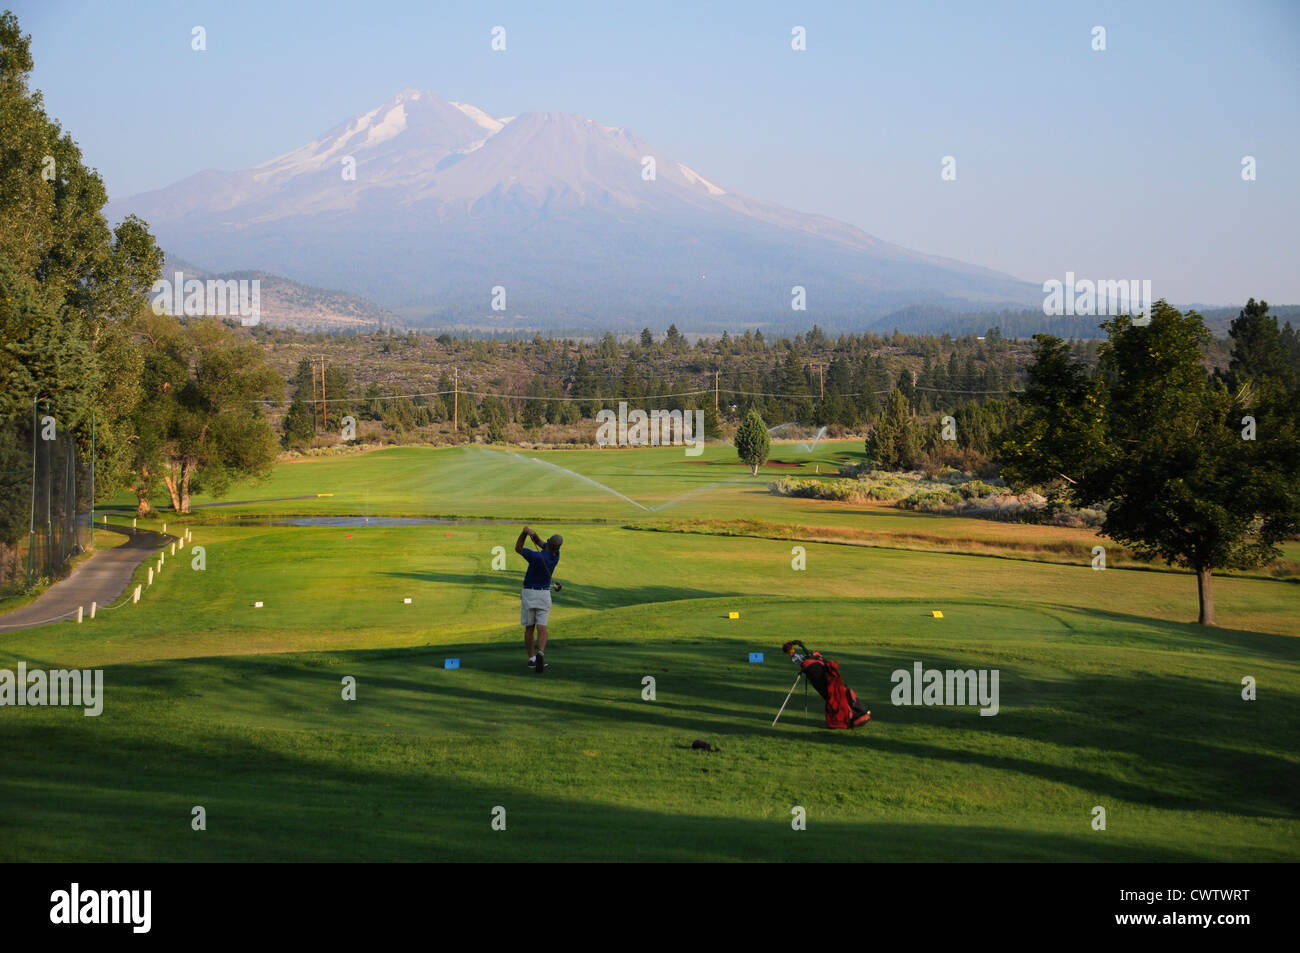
x: 958, y: 390
x: 484, y: 393
x: 685, y: 393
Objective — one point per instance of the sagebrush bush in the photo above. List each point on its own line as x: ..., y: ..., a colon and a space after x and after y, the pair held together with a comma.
x: 947, y: 491
x: 976, y: 489
x: 841, y: 491
x: 931, y: 501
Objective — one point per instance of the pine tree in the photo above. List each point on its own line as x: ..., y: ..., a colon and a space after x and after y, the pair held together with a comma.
x: 753, y: 441
x: 893, y: 442
x: 907, y: 387
x: 1259, y: 357
x: 299, y: 428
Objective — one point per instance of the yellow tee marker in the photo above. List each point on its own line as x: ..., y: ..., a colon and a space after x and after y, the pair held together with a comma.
x: 733, y: 615
x: 319, y: 495
x: 937, y: 614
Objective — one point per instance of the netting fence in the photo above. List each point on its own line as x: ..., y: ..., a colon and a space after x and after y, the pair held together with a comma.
x: 47, y: 475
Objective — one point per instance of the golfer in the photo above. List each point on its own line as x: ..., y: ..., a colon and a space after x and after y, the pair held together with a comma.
x: 535, y: 600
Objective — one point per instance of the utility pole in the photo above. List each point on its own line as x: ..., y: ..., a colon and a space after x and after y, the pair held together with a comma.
x: 315, y: 424
x: 821, y: 373
x: 31, y: 530
x: 455, y: 400
x: 715, y: 391
x: 92, y: 479
x: 324, y: 403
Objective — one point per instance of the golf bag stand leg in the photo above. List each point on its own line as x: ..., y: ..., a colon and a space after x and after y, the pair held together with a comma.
x: 787, y: 697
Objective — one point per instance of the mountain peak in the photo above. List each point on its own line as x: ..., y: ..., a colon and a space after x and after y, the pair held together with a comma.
x: 415, y: 123
x: 424, y: 204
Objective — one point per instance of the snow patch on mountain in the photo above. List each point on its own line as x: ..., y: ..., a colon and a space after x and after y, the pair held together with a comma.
x: 393, y: 123
x: 696, y: 179
x: 479, y: 116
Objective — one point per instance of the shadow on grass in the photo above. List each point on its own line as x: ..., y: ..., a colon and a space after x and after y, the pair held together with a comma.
x: 578, y: 596
x: 1192, y: 637
x: 296, y: 799
x: 1168, y: 741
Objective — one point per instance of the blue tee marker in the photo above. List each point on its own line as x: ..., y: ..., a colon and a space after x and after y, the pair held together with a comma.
x: 451, y: 663
x: 756, y: 656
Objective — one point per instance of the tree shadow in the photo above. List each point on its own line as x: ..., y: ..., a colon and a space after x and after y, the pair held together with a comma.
x: 269, y: 800
x: 575, y: 595
x: 1170, y: 741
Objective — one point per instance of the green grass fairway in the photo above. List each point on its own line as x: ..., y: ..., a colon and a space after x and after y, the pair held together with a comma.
x: 1109, y: 695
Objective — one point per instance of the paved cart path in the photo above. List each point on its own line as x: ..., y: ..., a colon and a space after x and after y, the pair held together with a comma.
x: 102, y: 579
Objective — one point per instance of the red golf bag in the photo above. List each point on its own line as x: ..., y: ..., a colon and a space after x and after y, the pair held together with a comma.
x: 843, y: 707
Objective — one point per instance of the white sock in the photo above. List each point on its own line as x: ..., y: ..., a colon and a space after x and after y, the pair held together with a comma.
x: 532, y: 658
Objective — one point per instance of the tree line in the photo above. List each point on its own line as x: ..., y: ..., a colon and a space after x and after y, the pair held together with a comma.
x: 544, y: 385
x: 171, y: 400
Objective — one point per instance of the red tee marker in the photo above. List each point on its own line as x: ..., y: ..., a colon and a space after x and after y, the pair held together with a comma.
x: 449, y: 535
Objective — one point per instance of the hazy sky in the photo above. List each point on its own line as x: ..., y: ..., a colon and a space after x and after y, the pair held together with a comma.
x: 1117, y: 164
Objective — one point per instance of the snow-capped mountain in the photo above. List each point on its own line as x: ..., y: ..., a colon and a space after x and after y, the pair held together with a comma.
x: 427, y: 206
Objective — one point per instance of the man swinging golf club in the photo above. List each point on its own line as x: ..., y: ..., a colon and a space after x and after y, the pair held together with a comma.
x: 535, y: 600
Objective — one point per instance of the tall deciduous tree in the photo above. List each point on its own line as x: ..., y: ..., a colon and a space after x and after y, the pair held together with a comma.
x: 1161, y: 442
x: 201, y: 417
x: 60, y: 255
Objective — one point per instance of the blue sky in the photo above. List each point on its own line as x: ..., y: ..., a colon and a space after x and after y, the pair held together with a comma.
x: 1118, y: 164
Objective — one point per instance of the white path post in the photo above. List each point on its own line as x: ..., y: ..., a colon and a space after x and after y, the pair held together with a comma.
x: 79, y: 609
x: 92, y: 609
x: 136, y: 597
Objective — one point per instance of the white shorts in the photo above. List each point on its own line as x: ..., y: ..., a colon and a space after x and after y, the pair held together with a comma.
x: 535, y: 606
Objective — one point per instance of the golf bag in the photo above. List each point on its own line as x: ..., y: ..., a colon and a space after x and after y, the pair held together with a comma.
x: 843, y: 707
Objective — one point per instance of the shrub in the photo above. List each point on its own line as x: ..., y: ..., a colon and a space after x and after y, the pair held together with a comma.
x: 842, y: 491
x: 931, y: 501
x: 977, y: 489
x: 787, y: 486
x: 884, y: 491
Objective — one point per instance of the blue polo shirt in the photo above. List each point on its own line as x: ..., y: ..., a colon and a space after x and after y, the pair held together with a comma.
x: 541, y: 564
